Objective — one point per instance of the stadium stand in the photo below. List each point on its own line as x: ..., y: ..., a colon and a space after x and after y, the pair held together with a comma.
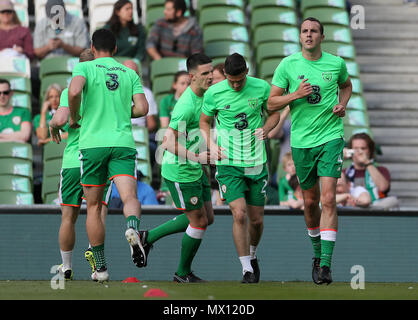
x: 143, y: 155
x: 51, y: 159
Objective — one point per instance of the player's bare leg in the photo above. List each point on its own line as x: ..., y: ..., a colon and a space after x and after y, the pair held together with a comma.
x: 255, y: 230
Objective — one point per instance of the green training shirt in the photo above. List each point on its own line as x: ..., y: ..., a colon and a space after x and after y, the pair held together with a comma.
x: 13, y: 119
x: 185, y: 120
x: 238, y: 114
x: 107, y: 101
x: 313, y: 122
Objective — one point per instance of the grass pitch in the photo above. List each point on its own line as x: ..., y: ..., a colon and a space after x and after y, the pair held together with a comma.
x: 217, y: 290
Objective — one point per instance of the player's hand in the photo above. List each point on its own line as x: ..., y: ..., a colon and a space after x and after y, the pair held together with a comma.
x: 55, y: 134
x: 339, y: 110
x: 304, y: 90
x: 216, y: 154
x: 74, y: 123
x: 260, y: 134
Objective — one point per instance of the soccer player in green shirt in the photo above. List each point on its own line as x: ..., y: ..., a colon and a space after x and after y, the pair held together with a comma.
x: 182, y: 169
x: 237, y: 103
x: 319, y: 88
x: 106, y: 143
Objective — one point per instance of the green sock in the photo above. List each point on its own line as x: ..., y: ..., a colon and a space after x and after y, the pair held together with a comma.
x: 316, y: 244
x: 327, y: 247
x: 132, y: 222
x: 178, y: 224
x: 189, y: 247
x: 98, y: 254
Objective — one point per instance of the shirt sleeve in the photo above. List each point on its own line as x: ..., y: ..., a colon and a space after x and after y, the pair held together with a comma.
x: 80, y: 69
x: 137, y: 85
x: 180, y: 117
x: 164, y: 106
x: 266, y: 95
x: 153, y: 37
x: 343, y: 76
x: 26, y: 116
x: 36, y: 120
x: 209, y: 105
x: 280, y: 76
x: 64, y: 98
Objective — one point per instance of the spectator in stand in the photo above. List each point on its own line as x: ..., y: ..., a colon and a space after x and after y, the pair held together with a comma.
x: 16, y: 40
x: 287, y: 195
x: 174, y: 35
x: 348, y: 195
x: 51, y: 40
x: 49, y: 107
x: 15, y: 122
x: 218, y: 73
x: 180, y: 83
x: 145, y: 193
x: 130, y: 37
x: 364, y: 171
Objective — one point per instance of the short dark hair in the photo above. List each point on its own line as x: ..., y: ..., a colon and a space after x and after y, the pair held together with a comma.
x: 3, y: 81
x: 196, y: 60
x: 235, y: 64
x: 369, y: 141
x: 104, y: 40
x: 321, y: 26
x: 178, y: 5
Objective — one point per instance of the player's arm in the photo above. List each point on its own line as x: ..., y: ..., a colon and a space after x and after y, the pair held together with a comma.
x: 140, y: 107
x: 274, y: 133
x: 59, y: 120
x: 74, y: 99
x: 271, y: 122
x: 23, y: 135
x: 277, y: 100
x: 346, y: 89
x: 214, y: 150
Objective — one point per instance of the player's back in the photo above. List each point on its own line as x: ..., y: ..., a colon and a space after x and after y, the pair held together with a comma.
x: 107, y: 100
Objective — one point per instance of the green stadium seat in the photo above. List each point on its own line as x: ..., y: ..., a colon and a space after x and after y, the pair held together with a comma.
x: 15, y: 66
x: 50, y: 185
x: 167, y: 66
x: 356, y: 118
x: 154, y: 14
x: 255, y: 4
x: 215, y: 15
x: 52, y: 167
x: 202, y: 4
x: 162, y: 84
x: 22, y: 100
x: 145, y: 168
x: 276, y: 50
x: 308, y: 4
x: 16, y: 150
x: 352, y: 68
x: 140, y: 134
x: 227, y: 32
x: 62, y: 79
x: 357, y: 86
x: 338, y: 34
x: 51, y: 198
x: 271, y: 33
x: 275, y: 16
x: 57, y: 65
x: 351, y: 130
x: 357, y: 102
x: 346, y: 51
x: 154, y: 3
x: 16, y: 198
x: 267, y: 68
x: 53, y: 150
x: 17, y: 167
x: 329, y: 15
x: 222, y: 49
x: 19, y: 84
x: 15, y: 183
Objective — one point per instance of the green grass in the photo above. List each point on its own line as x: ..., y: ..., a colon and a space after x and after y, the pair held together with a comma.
x: 225, y: 290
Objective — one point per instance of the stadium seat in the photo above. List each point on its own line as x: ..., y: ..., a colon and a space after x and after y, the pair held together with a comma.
x: 15, y: 66
x: 19, y: 84
x: 53, y: 150
x: 16, y: 198
x: 62, y: 79
x: 167, y: 66
x: 357, y: 102
x: 270, y: 33
x: 274, y: 16
x: 267, y: 68
x: 52, y: 167
x: 57, y: 65
x: 337, y: 34
x: 51, y: 198
x: 356, y: 118
x: 270, y: 50
x: 227, y: 32
x: 255, y: 4
x: 15, y: 183
x: 215, y: 15
x: 22, y: 100
x: 351, y: 130
x: 153, y: 14
x: 22, y: 13
x: 346, y: 51
x: 202, y: 4
x: 308, y: 4
x: 16, y: 150
x: 140, y: 134
x: 329, y: 15
x: 145, y: 169
x: 17, y: 167
x: 162, y: 85
x: 222, y: 49
x: 357, y: 86
x: 352, y: 68
x: 50, y: 185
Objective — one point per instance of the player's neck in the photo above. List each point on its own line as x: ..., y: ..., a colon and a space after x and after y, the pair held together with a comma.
x: 197, y: 90
x: 312, y: 55
x: 102, y: 54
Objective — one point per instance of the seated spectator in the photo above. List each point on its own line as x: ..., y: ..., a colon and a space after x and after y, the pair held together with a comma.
x: 174, y: 35
x: 297, y: 202
x: 218, y: 73
x: 145, y: 193
x: 16, y: 40
x: 287, y: 195
x: 130, y: 37
x: 52, y: 41
x: 348, y: 195
x: 180, y: 83
x: 49, y: 107
x: 364, y: 171
x: 15, y: 122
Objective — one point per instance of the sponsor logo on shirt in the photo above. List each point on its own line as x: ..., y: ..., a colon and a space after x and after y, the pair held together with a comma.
x: 301, y: 77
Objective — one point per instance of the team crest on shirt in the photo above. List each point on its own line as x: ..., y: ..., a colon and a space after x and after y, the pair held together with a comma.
x: 253, y: 103
x: 223, y: 188
x: 327, y: 76
x: 193, y: 200
x: 16, y: 120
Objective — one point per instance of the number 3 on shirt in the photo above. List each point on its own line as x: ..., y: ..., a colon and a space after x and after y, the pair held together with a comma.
x: 243, y: 122
x: 315, y: 97
x: 112, y: 83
